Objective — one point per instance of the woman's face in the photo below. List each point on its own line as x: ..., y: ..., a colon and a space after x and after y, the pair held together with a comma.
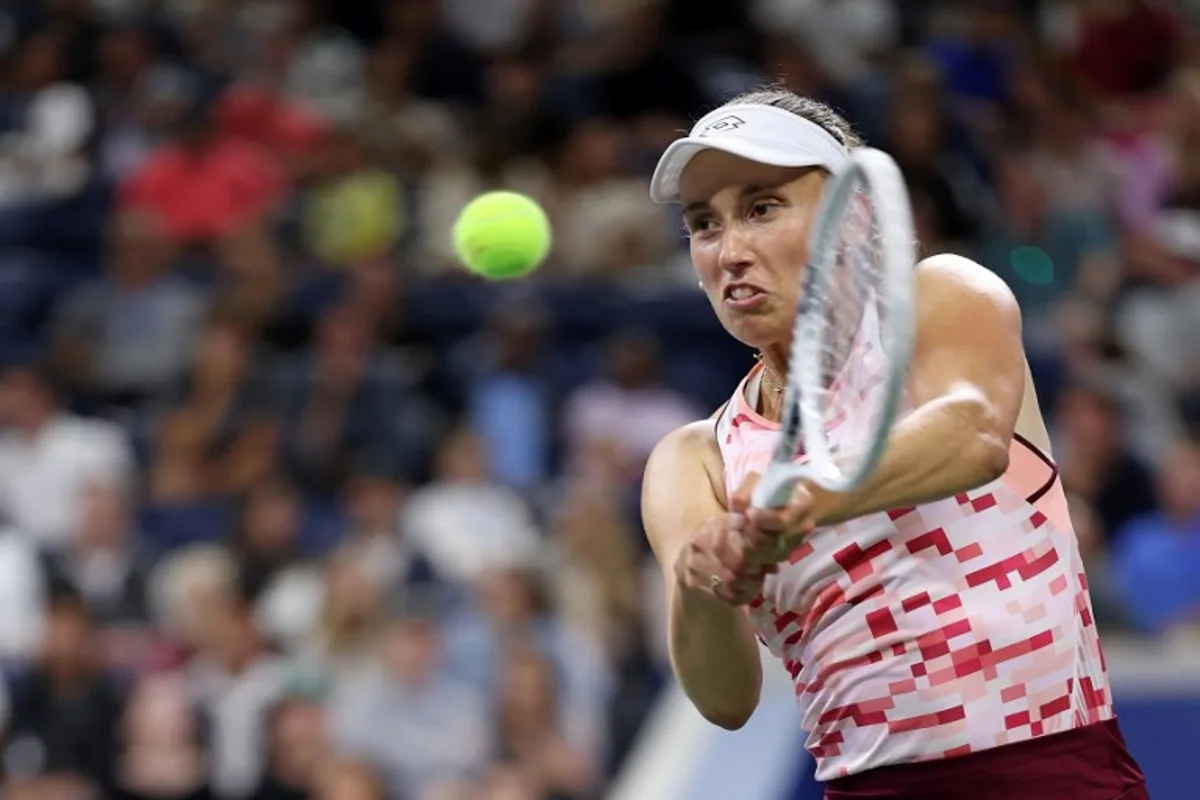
x: 749, y: 227
x: 159, y: 713
x: 272, y: 521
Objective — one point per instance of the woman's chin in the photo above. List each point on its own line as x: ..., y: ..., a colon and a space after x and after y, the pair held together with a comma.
x: 759, y: 331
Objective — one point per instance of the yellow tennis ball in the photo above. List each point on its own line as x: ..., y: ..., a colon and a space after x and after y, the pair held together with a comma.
x: 502, y: 235
x: 358, y: 217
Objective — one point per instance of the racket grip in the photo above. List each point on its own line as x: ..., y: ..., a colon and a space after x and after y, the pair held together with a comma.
x: 774, y: 489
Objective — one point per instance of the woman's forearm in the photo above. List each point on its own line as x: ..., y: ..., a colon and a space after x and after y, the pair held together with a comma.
x: 946, y: 446
x: 715, y: 656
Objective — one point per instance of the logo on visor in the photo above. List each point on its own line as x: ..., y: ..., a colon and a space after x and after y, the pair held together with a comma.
x: 729, y: 122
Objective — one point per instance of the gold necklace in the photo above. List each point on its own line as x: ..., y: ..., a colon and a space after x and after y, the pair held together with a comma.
x: 769, y: 381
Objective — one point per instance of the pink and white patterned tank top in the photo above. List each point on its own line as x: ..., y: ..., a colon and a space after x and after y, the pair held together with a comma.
x: 935, y: 631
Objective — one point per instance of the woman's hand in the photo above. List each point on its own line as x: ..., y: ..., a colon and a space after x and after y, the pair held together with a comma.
x: 772, y: 534
x: 718, y: 561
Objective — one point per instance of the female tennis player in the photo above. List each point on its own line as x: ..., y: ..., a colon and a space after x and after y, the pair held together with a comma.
x: 935, y: 620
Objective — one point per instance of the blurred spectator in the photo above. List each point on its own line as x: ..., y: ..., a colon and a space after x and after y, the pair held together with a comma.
x: 226, y: 400
x: 529, y: 729
x: 597, y: 201
x: 140, y: 100
x: 1041, y: 252
x: 600, y: 590
x: 446, y: 69
x: 345, y: 635
x: 594, y: 557
x: 504, y: 31
x: 230, y: 183
x: 1107, y: 604
x: 1119, y: 48
x: 410, y: 716
x: 130, y: 333
x: 512, y: 607
x: 65, y: 709
x: 255, y: 111
x: 268, y: 538
x: 46, y: 124
x: 377, y: 540
x: 49, y: 457
x: 185, y: 586
x: 464, y: 523
x: 22, y: 601
x: 299, y: 751
x: 1160, y: 316
x: 977, y: 55
x: 1097, y: 466
x: 518, y: 86
x: 270, y: 547
x: 82, y: 26
x: 345, y: 399
x: 325, y: 68
x: 377, y: 292
x: 917, y: 139
x: 160, y: 753
x: 235, y: 681
x: 1157, y: 556
x: 105, y: 564
x: 249, y: 273
x: 508, y: 399
x: 629, y: 406
x: 183, y: 505
x: 843, y: 35
x: 1077, y: 171
x: 389, y: 112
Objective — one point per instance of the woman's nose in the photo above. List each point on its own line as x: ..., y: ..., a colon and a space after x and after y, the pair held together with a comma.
x: 735, y: 254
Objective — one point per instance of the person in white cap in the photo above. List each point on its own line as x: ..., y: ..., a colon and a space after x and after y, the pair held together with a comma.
x: 935, y: 622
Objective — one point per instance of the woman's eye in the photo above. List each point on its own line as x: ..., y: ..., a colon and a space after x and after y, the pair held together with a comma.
x: 700, y: 225
x: 761, y: 208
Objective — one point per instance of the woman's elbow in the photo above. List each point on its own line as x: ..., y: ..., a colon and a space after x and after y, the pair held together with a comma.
x: 989, y: 437
x: 991, y: 456
x: 736, y: 707
x: 729, y: 719
x: 732, y: 707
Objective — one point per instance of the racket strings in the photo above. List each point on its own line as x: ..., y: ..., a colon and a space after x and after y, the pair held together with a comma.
x: 849, y: 398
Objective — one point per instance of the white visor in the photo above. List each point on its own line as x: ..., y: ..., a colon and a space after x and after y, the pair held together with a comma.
x: 765, y: 134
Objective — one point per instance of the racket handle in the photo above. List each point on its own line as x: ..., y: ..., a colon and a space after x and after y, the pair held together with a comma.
x: 774, y: 488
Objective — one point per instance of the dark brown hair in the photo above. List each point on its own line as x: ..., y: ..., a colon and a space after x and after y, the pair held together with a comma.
x: 814, y: 111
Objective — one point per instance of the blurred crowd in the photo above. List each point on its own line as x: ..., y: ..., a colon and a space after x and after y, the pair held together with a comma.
x: 293, y: 508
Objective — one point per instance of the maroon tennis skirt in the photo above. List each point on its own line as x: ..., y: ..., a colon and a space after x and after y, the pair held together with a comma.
x: 1088, y: 763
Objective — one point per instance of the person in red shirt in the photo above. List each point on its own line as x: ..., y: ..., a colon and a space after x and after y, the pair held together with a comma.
x: 206, y: 184
x: 1124, y: 47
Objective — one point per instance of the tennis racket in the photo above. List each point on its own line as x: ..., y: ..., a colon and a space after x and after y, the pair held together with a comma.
x: 853, y: 336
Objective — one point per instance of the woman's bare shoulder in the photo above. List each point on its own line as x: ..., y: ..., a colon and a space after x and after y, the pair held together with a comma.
x: 684, y: 457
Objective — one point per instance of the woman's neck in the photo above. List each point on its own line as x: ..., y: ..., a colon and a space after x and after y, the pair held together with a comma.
x: 771, y: 386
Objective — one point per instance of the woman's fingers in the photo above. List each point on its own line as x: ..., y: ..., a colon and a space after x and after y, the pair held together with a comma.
x: 774, y: 533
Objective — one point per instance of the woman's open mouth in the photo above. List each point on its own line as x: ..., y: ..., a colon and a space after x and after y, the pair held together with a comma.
x: 743, y: 296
